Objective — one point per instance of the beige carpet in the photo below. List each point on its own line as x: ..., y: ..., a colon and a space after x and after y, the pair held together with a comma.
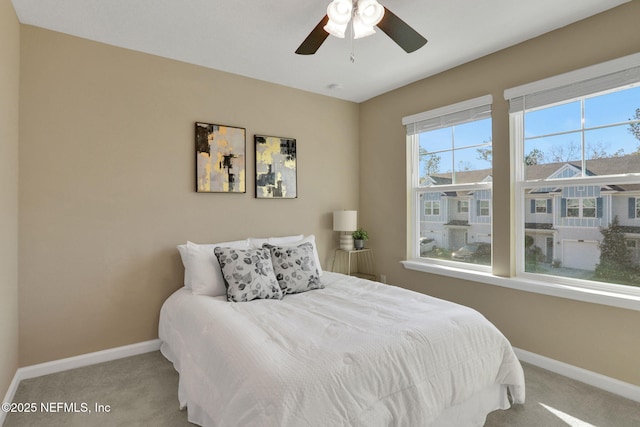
x: 143, y: 391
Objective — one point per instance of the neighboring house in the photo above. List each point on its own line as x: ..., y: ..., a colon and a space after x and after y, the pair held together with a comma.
x: 564, y: 222
x: 453, y: 219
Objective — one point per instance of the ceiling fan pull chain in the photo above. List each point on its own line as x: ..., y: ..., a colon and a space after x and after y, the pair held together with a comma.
x: 352, y: 56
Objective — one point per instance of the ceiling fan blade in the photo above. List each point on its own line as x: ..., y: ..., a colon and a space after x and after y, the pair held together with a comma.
x: 400, y: 32
x: 315, y: 39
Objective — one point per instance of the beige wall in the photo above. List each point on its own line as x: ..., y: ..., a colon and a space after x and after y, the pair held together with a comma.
x: 9, y: 100
x: 594, y: 337
x: 107, y: 183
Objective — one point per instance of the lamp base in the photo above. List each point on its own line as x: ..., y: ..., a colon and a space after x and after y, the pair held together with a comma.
x: 346, y: 242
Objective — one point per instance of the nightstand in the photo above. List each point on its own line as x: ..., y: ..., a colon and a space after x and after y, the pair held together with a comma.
x: 354, y: 263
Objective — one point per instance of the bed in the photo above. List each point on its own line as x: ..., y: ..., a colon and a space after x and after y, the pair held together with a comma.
x: 352, y: 353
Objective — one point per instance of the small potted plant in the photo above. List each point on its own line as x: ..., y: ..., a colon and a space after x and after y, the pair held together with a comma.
x: 359, y: 236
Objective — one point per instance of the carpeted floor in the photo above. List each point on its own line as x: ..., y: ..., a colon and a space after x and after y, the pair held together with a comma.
x: 143, y: 391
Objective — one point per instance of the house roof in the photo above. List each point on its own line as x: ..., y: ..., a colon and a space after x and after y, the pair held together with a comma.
x: 604, y: 166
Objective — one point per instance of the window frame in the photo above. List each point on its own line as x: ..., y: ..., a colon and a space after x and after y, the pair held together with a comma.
x: 414, y: 190
x: 576, y: 288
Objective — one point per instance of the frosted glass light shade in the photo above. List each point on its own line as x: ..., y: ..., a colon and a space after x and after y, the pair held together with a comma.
x: 339, y: 11
x: 345, y: 220
x: 360, y: 29
x: 336, y: 30
x: 370, y: 12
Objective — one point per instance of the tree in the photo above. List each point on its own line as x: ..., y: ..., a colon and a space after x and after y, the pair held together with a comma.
x: 485, y: 154
x: 565, y: 153
x: 532, y: 254
x: 572, y: 152
x: 615, y: 260
x: 535, y: 157
x: 431, y: 162
x: 599, y: 150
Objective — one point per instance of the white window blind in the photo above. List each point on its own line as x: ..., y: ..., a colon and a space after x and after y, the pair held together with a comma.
x: 598, y: 78
x: 462, y: 112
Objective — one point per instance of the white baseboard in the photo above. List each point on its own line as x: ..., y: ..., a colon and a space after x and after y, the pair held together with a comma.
x: 612, y: 385
x: 13, y: 387
x: 60, y: 365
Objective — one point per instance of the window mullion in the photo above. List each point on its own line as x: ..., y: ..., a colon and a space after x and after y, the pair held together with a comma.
x: 453, y: 155
x: 582, y: 139
x: 516, y: 121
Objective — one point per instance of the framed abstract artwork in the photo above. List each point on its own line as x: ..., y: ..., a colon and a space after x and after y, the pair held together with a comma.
x: 220, y: 159
x: 276, y: 167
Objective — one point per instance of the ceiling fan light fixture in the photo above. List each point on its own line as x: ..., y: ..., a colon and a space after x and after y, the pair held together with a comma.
x: 336, y: 30
x: 363, y: 15
x: 340, y: 11
x: 370, y: 12
x: 360, y: 29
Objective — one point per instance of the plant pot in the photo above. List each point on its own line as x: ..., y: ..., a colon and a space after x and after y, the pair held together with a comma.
x: 358, y: 244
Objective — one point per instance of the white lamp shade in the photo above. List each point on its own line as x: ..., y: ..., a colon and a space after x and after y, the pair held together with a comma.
x: 345, y: 220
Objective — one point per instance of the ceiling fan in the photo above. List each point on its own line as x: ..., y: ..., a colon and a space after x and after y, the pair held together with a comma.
x: 363, y: 15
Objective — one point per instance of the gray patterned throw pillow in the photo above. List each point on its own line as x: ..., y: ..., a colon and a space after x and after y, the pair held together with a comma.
x: 295, y: 268
x: 248, y: 274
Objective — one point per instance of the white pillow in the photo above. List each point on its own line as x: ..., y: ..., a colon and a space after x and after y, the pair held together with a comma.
x: 203, y: 274
x: 184, y: 256
x: 257, y: 242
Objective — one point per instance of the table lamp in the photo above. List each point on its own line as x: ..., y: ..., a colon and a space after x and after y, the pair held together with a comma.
x: 346, y: 222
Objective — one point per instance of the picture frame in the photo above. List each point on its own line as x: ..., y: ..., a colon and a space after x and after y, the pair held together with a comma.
x: 220, y: 158
x: 276, y: 167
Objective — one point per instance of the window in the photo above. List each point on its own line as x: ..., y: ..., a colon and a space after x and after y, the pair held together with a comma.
x: 483, y: 208
x: 588, y: 208
x: 577, y: 142
x: 432, y: 208
x: 540, y: 206
x: 634, y: 207
x: 580, y: 208
x: 450, y: 168
x: 573, y: 207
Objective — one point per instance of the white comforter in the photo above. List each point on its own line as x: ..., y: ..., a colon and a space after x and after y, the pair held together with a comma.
x: 357, y: 353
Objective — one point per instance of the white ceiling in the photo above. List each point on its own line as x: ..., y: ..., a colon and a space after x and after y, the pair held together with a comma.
x: 258, y: 38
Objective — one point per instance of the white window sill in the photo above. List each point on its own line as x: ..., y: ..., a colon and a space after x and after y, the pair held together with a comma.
x: 596, y: 296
